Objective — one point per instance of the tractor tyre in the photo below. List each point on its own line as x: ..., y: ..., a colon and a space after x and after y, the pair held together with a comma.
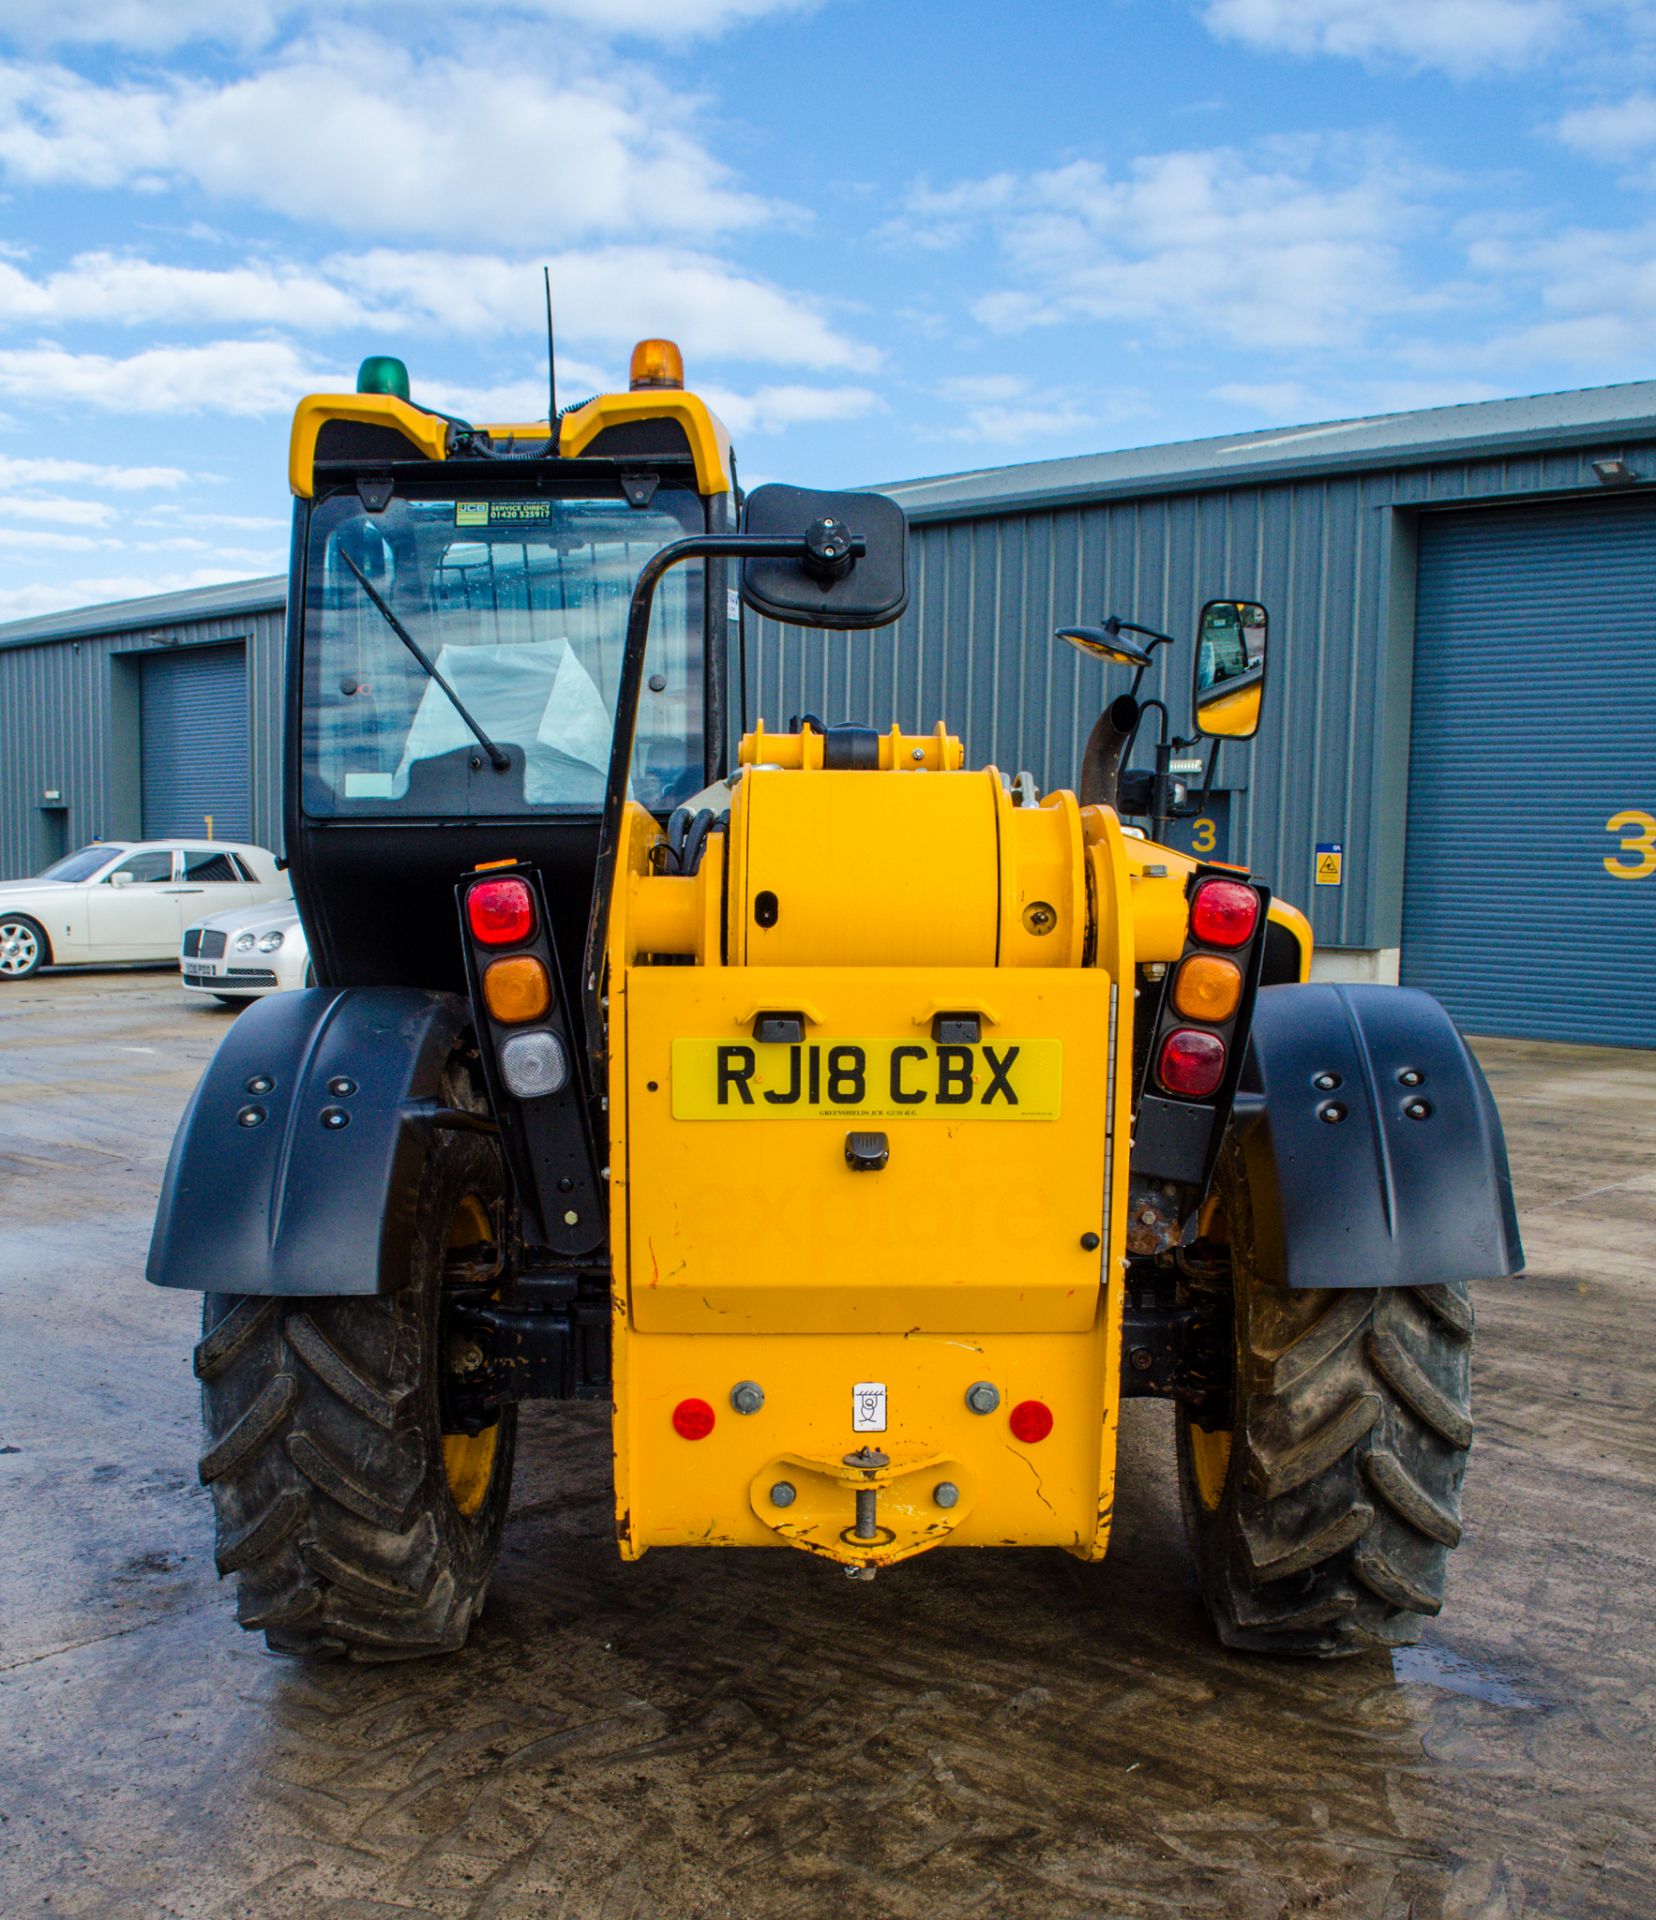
x: 1322, y: 1518
x: 353, y: 1523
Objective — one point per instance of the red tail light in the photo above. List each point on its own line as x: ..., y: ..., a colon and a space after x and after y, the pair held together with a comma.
x: 1031, y: 1420
x: 693, y: 1419
x: 1223, y: 913
x: 501, y: 912
x: 1191, y: 1063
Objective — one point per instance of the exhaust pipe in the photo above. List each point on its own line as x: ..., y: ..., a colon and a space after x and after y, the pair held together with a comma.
x: 1107, y: 747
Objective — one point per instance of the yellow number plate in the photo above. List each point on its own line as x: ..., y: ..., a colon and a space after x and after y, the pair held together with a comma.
x: 868, y: 1080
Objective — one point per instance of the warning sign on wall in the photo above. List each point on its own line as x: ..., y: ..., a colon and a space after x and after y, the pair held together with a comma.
x: 1330, y: 857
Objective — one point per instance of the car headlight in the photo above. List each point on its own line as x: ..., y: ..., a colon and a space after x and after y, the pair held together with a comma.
x: 270, y: 942
x: 244, y: 943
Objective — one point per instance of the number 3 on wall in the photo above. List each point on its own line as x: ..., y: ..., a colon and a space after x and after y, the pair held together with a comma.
x: 1204, y: 835
x: 1638, y: 832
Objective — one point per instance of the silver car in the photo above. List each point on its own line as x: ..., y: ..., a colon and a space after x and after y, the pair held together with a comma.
x: 245, y: 952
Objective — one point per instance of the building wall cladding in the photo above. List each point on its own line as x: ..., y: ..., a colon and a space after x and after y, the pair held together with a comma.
x: 69, y: 722
x: 1332, y: 558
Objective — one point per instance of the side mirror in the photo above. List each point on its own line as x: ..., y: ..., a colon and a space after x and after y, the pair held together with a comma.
x: 831, y: 586
x: 120, y: 878
x: 1228, y: 686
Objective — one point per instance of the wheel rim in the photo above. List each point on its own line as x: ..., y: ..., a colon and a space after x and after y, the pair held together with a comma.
x: 469, y: 1458
x: 1210, y: 1455
x: 19, y: 948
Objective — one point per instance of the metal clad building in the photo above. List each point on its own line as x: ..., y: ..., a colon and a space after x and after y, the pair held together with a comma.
x: 1418, y: 674
x: 142, y: 718
x: 1458, y: 706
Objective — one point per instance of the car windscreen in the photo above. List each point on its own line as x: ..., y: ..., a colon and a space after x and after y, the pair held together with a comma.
x: 519, y: 609
x: 78, y: 866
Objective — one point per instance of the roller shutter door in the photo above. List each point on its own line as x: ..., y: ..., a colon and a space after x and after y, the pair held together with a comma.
x: 192, y: 717
x: 1534, y: 728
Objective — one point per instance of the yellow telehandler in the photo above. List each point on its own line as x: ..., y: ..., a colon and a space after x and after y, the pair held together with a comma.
x: 863, y: 1126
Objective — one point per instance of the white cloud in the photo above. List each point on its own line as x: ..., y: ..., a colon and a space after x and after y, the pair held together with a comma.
x: 1461, y: 37
x: 1009, y: 410
x: 606, y: 297
x: 1596, y: 292
x: 154, y: 25
x: 62, y: 508
x: 775, y: 409
x: 122, y: 290
x: 17, y: 470
x: 1613, y: 132
x: 1298, y: 245
x: 23, y: 601
x: 36, y: 540
x: 228, y: 377
x: 390, y: 145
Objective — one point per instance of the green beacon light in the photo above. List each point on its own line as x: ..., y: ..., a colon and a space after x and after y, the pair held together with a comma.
x: 383, y: 373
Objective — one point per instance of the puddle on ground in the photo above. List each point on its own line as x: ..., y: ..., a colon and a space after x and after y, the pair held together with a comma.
x: 1437, y: 1667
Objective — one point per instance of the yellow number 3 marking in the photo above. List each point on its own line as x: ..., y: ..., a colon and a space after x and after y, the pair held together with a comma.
x: 1205, y: 837
x: 1638, y: 831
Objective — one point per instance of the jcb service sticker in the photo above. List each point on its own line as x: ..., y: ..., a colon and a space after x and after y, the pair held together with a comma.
x: 868, y: 1080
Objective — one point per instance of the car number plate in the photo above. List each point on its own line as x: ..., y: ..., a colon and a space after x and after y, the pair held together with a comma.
x: 199, y: 973
x: 868, y: 1080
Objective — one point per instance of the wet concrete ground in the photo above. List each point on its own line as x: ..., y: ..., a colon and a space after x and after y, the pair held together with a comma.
x: 750, y: 1734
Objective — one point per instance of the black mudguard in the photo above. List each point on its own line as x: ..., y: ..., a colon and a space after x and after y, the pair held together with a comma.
x: 1378, y: 1180
x: 268, y: 1189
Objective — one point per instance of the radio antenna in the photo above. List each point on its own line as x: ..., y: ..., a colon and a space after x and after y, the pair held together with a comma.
x: 551, y: 354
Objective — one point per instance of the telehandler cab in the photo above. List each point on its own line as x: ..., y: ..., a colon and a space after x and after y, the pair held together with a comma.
x: 862, y: 1126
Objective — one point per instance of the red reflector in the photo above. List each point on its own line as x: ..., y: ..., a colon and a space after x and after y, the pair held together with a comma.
x: 1031, y: 1421
x: 692, y: 1419
x: 1223, y: 913
x: 1191, y: 1063
x: 501, y: 912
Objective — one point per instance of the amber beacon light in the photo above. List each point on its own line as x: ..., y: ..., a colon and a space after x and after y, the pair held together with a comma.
x: 656, y: 363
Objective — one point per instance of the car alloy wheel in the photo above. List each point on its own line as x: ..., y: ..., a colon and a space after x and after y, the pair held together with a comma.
x: 19, y: 949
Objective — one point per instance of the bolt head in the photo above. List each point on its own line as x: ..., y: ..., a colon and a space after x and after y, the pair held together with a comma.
x: 572, y: 1218
x: 333, y: 1118
x: 261, y: 1083
x: 342, y: 1087
x: 1418, y: 1109
x: 1410, y: 1077
x: 747, y: 1396
x: 1090, y: 1243
x: 783, y: 1494
x: 1142, y: 1359
x: 1326, y: 1082
x: 983, y: 1396
x: 1331, y: 1113
x: 946, y: 1493
x: 250, y: 1117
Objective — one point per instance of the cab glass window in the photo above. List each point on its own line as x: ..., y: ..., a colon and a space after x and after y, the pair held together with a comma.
x: 147, y: 869
x: 206, y: 866
x: 520, y: 608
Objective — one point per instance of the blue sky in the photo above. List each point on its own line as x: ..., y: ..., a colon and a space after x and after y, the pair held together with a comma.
x: 895, y: 237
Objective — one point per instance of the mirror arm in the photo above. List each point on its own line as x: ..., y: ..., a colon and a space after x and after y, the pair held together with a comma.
x: 724, y: 546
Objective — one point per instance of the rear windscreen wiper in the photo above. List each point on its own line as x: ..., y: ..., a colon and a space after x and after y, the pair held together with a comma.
x: 499, y: 758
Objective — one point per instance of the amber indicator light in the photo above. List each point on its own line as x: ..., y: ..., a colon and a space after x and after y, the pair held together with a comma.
x: 1207, y: 988
x: 517, y: 989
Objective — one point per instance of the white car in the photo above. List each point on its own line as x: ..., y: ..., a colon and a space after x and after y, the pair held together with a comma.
x: 127, y: 900
x: 248, y: 951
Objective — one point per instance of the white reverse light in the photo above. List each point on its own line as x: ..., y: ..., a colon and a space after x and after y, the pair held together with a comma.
x: 533, y: 1064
